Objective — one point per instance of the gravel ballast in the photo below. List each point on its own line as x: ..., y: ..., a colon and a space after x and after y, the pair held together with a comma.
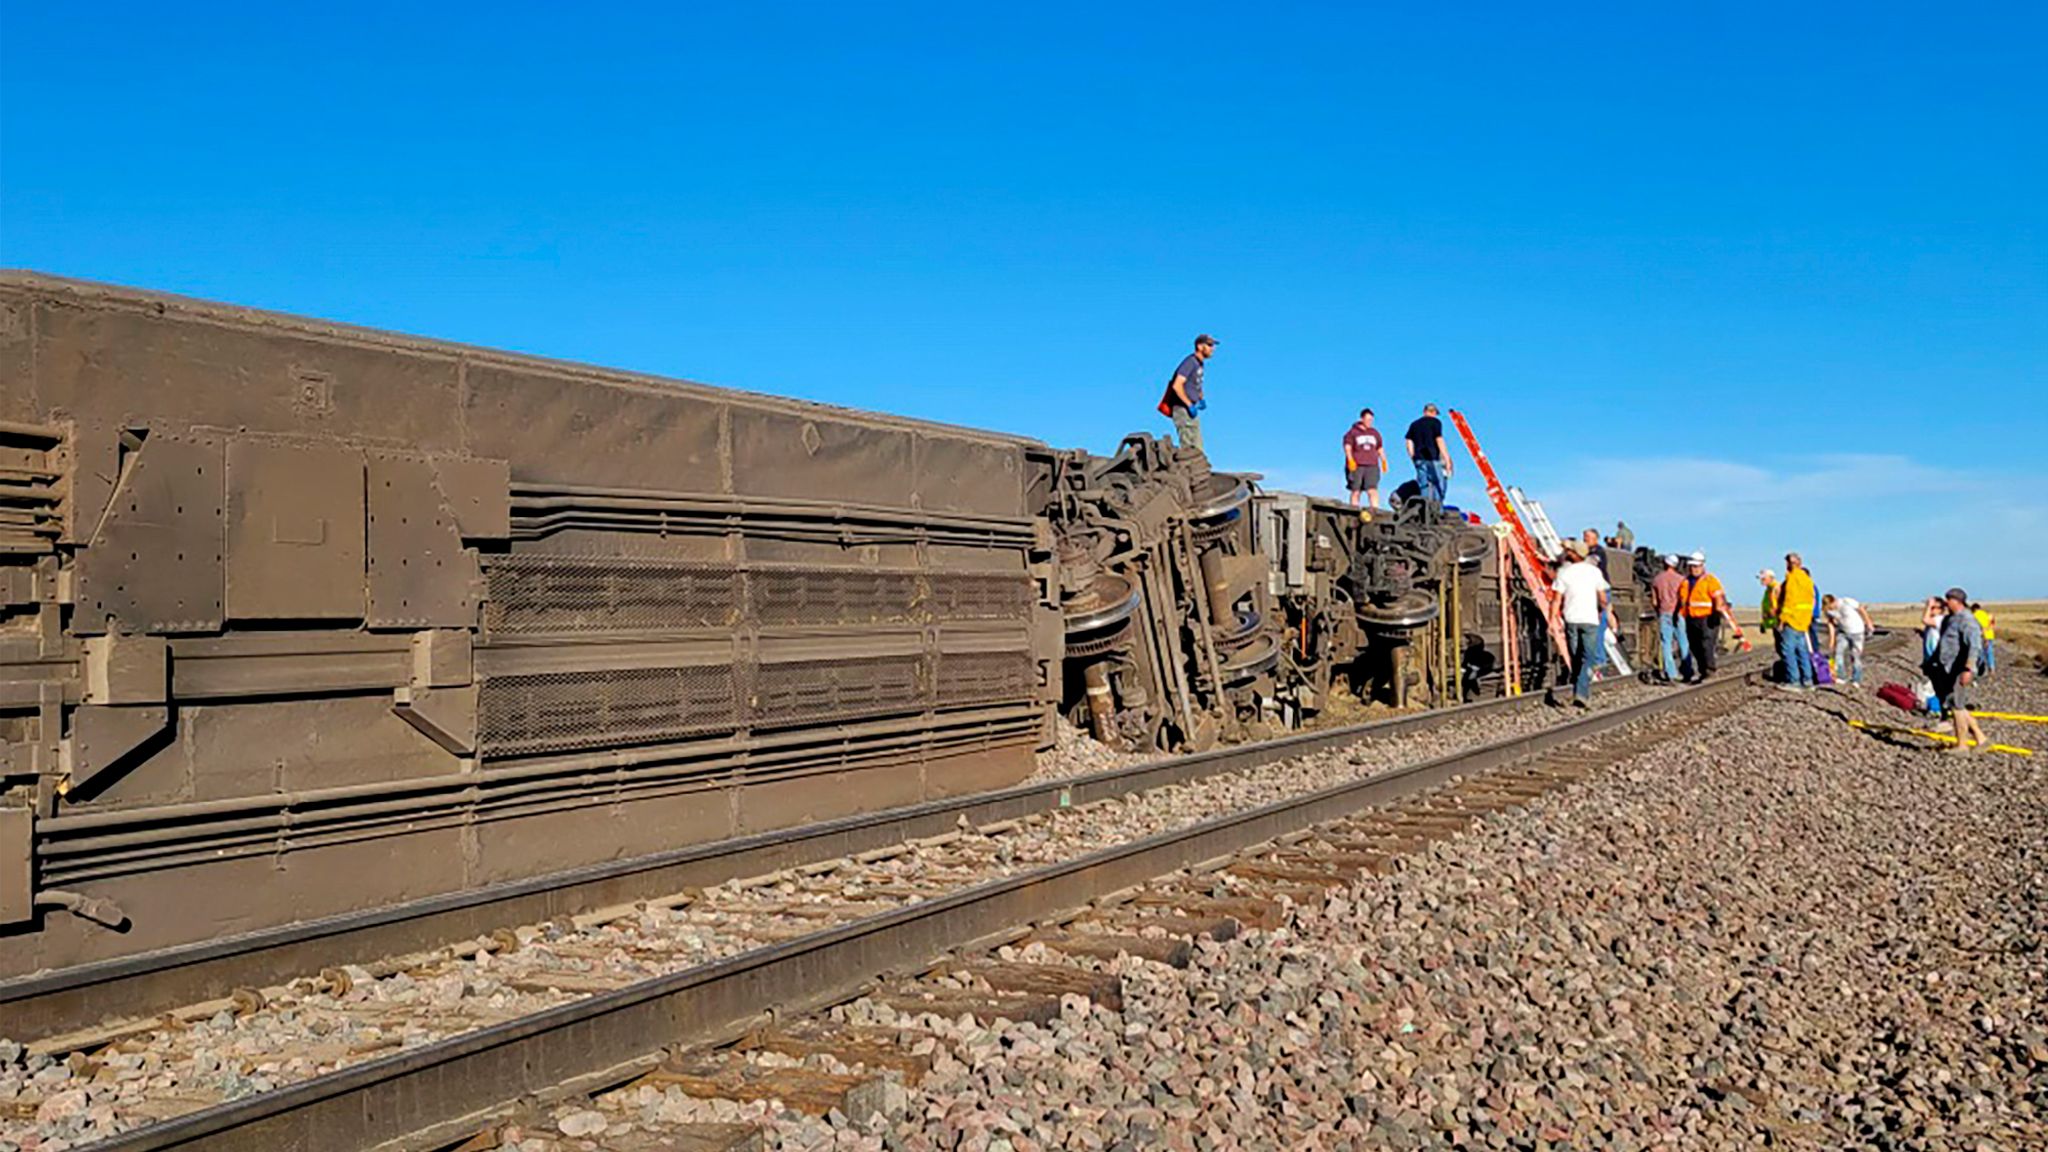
x: 300, y: 1031
x: 1780, y: 932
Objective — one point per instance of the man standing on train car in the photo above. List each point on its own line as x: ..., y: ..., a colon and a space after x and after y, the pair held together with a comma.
x: 1365, y: 457
x: 1431, y: 458
x: 1183, y: 402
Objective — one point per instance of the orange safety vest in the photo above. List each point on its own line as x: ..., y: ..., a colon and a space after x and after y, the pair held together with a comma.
x: 1699, y: 595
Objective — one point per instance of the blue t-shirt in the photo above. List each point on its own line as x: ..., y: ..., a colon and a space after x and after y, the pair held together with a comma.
x: 1191, y: 368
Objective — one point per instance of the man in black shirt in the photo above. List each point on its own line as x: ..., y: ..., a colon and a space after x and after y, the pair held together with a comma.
x: 1431, y: 458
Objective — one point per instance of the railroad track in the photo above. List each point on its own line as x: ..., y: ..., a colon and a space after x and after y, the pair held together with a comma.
x: 816, y: 933
x: 1034, y: 973
x: 99, y: 1000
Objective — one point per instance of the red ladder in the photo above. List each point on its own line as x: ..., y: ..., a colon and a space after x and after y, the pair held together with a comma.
x: 1520, y: 543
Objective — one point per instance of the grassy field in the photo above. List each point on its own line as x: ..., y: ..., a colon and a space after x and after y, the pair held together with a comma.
x: 2022, y: 624
x: 2022, y: 628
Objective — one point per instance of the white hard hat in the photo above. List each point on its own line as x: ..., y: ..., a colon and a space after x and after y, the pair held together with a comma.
x: 1699, y: 557
x: 1672, y: 559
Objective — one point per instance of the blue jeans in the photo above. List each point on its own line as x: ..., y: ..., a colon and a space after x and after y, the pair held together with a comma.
x: 1580, y: 640
x: 1671, y: 640
x: 1989, y: 663
x: 1848, y: 657
x: 1429, y: 476
x: 1795, y: 648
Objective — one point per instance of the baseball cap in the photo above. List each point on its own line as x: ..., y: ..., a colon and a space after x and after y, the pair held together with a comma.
x: 1957, y: 594
x: 1205, y: 338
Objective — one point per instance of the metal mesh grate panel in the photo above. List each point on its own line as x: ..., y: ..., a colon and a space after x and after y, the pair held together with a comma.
x: 559, y: 711
x: 561, y: 594
x: 833, y: 595
x: 978, y: 677
x: 980, y: 596
x: 811, y: 690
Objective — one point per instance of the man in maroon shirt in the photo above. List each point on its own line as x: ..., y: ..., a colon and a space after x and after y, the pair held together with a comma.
x: 1365, y: 457
x: 1668, y: 591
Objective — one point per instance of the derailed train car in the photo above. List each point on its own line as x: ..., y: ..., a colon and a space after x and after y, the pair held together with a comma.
x: 298, y: 618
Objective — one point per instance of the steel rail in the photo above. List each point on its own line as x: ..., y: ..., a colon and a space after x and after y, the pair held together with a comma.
x: 145, y: 984
x: 437, y: 1092
x: 41, y: 1005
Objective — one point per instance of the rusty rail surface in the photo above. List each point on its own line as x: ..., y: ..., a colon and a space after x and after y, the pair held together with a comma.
x: 75, y: 998
x: 442, y: 1091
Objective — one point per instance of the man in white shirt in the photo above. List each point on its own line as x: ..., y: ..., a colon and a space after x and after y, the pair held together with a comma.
x: 1582, y: 599
x: 1848, y: 626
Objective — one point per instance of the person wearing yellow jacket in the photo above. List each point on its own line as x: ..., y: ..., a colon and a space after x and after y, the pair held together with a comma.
x: 1988, y: 663
x: 1795, y: 610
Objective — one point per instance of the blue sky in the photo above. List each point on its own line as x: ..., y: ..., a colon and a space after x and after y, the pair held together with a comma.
x: 1754, y: 277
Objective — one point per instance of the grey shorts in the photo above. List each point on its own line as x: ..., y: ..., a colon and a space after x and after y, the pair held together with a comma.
x: 1362, y: 478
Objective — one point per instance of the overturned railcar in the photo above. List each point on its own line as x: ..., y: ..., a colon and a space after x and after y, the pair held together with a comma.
x: 297, y: 618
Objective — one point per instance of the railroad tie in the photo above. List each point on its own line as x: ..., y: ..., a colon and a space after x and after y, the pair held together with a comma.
x: 731, y: 1075
x: 1379, y: 845
x: 1189, y: 927
x: 580, y: 983
x: 706, y: 1137
x: 856, y: 1047
x: 1250, y: 911
x: 1171, y: 951
x: 1304, y: 879
x: 1370, y: 863
x: 985, y: 1007
x: 690, y: 1138
x: 1427, y: 822
x: 1104, y: 988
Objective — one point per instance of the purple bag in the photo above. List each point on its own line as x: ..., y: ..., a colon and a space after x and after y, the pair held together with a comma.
x: 1822, y: 674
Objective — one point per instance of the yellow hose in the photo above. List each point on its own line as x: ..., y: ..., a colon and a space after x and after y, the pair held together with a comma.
x: 2019, y: 716
x: 1939, y: 737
